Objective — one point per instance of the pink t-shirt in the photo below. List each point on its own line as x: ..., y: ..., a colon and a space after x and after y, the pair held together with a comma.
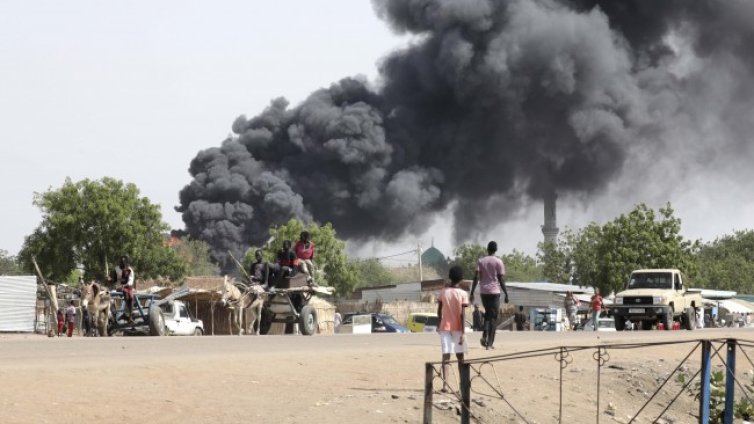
x: 453, y: 299
x: 489, y: 267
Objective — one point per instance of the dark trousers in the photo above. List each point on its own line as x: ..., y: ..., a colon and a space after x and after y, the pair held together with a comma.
x: 87, y: 321
x: 128, y: 296
x: 491, y: 303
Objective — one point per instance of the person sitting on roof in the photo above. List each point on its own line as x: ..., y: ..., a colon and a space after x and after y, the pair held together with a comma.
x: 305, y: 253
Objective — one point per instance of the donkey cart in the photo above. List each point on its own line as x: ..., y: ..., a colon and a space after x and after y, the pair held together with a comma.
x: 141, y: 317
x: 146, y: 316
x: 288, y: 303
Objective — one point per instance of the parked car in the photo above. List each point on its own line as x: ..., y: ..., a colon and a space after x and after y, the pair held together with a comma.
x: 605, y: 324
x: 422, y: 322
x: 380, y: 323
x: 178, y: 320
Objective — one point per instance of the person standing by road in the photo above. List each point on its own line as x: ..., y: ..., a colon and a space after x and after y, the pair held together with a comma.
x: 61, y: 321
x: 490, y: 274
x: 70, y: 318
x: 571, y: 304
x: 477, y: 319
x: 450, y: 312
x: 596, y: 306
x: 520, y: 319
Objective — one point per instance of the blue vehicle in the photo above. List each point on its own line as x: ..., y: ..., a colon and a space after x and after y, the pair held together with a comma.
x: 383, y: 323
x: 146, y: 314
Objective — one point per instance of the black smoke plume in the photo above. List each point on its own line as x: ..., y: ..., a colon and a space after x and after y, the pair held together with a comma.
x: 494, y: 103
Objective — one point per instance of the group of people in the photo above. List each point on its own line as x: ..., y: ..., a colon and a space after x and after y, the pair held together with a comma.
x: 490, y: 277
x: 452, y: 301
x: 66, y: 320
x: 571, y: 304
x: 290, y: 260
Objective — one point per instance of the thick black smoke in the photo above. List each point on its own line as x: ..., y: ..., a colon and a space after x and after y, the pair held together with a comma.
x: 494, y: 103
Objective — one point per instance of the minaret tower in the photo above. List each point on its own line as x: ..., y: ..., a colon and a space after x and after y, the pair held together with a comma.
x: 550, y: 229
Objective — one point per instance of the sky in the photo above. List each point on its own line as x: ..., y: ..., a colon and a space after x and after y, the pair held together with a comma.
x: 134, y: 90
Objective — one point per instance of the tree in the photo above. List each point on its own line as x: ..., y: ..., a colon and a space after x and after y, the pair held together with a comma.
x: 91, y: 223
x: 467, y: 256
x: 605, y: 257
x: 584, y: 246
x: 556, y: 261
x: 196, y: 254
x: 8, y: 264
x: 521, y: 267
x: 329, y: 258
x: 371, y: 272
x: 728, y: 262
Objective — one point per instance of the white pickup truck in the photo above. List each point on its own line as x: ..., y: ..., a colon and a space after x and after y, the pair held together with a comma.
x: 656, y: 296
x: 178, y: 320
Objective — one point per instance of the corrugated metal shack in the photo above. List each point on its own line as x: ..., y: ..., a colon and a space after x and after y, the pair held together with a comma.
x: 18, y: 297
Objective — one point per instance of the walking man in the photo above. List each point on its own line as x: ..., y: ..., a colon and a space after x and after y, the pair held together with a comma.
x: 490, y: 275
x: 450, y: 312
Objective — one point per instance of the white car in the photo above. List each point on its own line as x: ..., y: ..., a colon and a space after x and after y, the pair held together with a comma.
x: 178, y: 320
x: 605, y: 324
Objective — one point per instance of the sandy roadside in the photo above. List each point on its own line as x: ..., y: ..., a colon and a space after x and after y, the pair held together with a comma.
x: 294, y: 379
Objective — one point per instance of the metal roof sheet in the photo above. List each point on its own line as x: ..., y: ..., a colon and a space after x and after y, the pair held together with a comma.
x: 18, y: 297
x: 551, y: 287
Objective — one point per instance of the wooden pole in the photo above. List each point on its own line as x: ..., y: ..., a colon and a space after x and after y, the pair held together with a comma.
x: 419, y: 254
x: 212, y: 313
x: 51, y: 295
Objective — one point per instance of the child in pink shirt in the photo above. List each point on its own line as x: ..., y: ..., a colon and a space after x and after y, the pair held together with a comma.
x: 450, y: 311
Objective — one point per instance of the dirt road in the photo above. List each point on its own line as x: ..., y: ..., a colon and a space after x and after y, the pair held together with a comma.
x: 285, y: 379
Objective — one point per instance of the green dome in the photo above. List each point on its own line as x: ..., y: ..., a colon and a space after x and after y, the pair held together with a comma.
x: 432, y: 256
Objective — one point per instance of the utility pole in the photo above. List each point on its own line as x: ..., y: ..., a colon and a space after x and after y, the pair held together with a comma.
x: 419, y: 254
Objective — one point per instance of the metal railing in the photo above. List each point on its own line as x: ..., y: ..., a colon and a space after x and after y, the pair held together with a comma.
x: 480, y: 377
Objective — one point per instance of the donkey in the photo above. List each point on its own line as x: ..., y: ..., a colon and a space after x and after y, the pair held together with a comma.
x: 96, y: 300
x: 238, y: 301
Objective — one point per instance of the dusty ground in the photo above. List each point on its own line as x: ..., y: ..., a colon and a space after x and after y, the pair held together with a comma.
x: 328, y: 379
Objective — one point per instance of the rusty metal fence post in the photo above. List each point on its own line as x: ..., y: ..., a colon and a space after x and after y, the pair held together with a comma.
x: 465, y: 392
x: 429, y: 376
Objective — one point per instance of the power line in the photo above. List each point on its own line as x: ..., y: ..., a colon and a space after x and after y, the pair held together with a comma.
x: 412, y: 251
x: 393, y: 258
